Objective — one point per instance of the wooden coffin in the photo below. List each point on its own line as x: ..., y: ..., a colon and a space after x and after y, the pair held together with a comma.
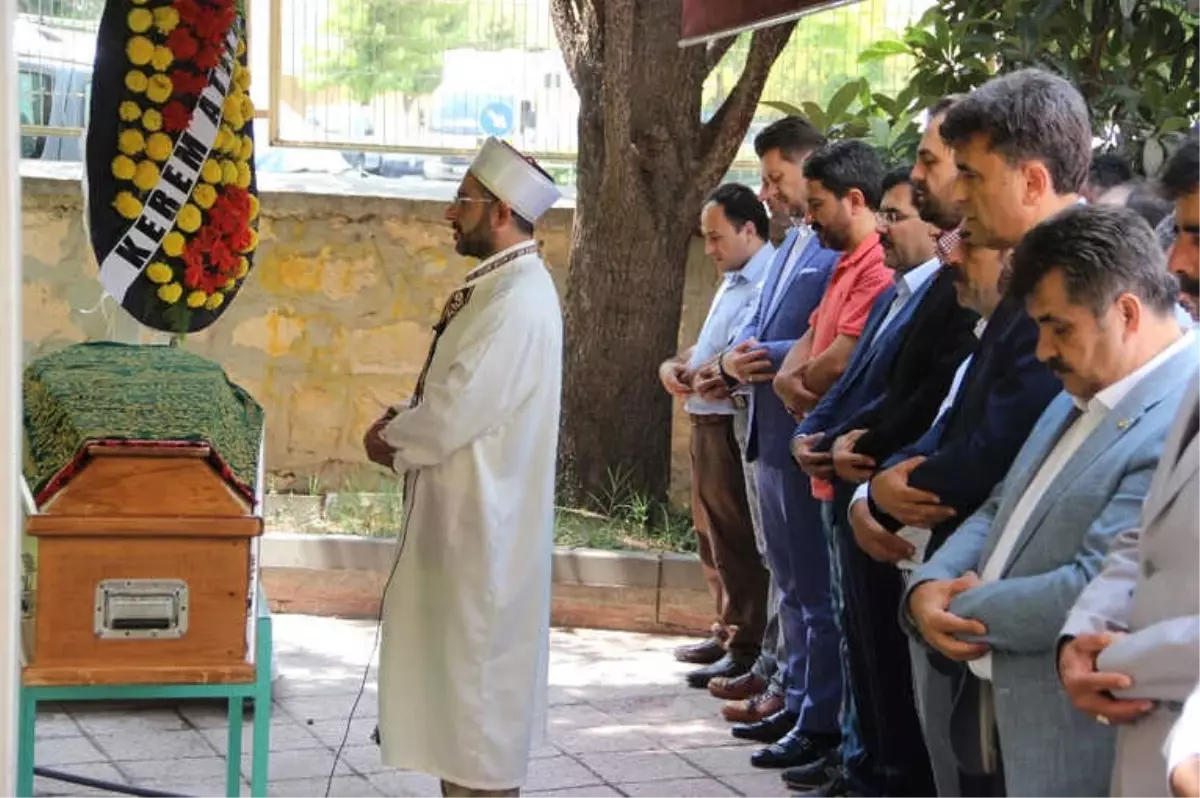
x: 144, y: 563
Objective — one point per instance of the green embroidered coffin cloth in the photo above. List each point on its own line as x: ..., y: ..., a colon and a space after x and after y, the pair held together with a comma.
x: 117, y: 393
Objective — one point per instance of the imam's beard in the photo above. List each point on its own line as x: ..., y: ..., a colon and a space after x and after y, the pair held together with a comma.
x: 475, y: 243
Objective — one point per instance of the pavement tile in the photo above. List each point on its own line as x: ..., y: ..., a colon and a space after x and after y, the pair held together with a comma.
x: 639, y: 766
x: 403, y: 783
x: 288, y: 765
x: 730, y: 760
x: 764, y: 784
x: 331, y: 732
x: 329, y: 707
x: 680, y: 788
x: 134, y: 722
x: 103, y: 771
x: 187, y: 744
x: 586, y: 791
x: 558, y: 772
x: 286, y: 735
x: 169, y: 774
x: 54, y: 723
x: 342, y: 787
x: 66, y: 751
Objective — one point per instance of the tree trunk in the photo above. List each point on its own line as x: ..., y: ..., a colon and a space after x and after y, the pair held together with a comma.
x: 645, y: 163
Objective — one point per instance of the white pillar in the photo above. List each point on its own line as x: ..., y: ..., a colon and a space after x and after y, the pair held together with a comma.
x: 10, y: 399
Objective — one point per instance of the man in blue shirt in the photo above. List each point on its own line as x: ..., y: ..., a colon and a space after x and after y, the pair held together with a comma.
x: 735, y: 226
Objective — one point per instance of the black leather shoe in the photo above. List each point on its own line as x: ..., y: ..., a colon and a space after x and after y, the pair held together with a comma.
x: 836, y: 785
x: 726, y: 666
x: 795, y: 750
x: 813, y: 775
x: 703, y: 653
x: 767, y: 730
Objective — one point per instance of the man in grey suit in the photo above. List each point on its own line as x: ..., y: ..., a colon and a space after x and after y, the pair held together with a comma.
x: 1130, y: 647
x: 996, y: 593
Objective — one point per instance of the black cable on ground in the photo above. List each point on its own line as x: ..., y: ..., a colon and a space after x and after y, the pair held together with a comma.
x: 99, y: 784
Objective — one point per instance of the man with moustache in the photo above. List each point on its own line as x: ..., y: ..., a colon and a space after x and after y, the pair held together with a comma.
x: 995, y: 595
x: 734, y: 225
x: 1022, y: 146
x: 468, y: 601
x: 1129, y: 648
x: 792, y: 290
x: 913, y: 343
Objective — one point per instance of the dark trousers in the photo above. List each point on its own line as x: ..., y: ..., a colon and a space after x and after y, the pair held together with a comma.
x: 728, y: 552
x: 880, y: 672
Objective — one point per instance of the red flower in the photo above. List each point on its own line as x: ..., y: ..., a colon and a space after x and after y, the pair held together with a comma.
x: 176, y: 117
x: 241, y: 239
x: 225, y: 220
x: 223, y: 260
x: 188, y: 83
x: 182, y: 44
x: 207, y: 58
x: 212, y: 27
x: 189, y: 11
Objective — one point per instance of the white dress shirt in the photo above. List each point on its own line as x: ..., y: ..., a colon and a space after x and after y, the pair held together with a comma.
x: 1091, y: 414
x: 907, y: 284
x: 735, y: 300
x: 1184, y: 739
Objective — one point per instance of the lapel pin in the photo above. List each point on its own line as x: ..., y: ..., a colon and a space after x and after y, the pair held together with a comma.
x: 1123, y: 424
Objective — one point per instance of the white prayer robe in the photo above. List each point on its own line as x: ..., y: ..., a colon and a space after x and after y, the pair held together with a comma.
x: 465, y: 642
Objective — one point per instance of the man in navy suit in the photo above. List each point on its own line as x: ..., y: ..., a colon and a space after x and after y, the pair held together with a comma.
x: 792, y: 290
x: 1022, y: 144
x: 913, y: 342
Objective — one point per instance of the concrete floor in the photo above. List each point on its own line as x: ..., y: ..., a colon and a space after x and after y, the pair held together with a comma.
x: 622, y: 722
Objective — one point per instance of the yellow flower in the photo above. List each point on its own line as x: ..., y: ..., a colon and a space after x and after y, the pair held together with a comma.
x: 129, y: 111
x: 247, y: 149
x: 162, y: 58
x: 139, y: 50
x: 241, y: 48
x: 229, y: 172
x: 196, y: 298
x: 131, y: 142
x: 135, y: 81
x: 243, y: 174
x: 159, y: 89
x: 139, y: 2
x: 243, y: 268
x: 159, y: 146
x: 211, y: 171
x: 233, y: 114
x: 166, y: 18
x: 241, y: 76
x: 170, y: 293
x: 146, y: 176
x: 247, y: 108
x: 214, y: 301
x: 231, y: 284
x: 173, y: 244
x: 123, y: 168
x: 159, y: 273
x: 222, y: 139
x: 152, y: 120
x: 253, y: 243
x: 253, y: 207
x: 204, y: 195
x: 128, y: 205
x: 140, y: 20
x: 189, y: 218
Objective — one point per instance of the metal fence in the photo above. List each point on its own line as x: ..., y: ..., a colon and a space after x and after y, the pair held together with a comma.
x: 423, y: 78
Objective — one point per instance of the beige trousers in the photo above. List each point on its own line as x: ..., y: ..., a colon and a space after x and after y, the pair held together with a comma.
x: 452, y: 790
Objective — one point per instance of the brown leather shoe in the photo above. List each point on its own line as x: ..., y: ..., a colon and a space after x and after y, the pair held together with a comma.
x: 738, y: 687
x: 753, y: 709
x: 703, y: 653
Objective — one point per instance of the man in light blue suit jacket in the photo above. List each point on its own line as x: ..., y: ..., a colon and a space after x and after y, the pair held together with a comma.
x: 793, y: 288
x: 997, y: 592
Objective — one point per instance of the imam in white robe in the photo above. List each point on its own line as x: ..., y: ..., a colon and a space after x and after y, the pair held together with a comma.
x: 463, y: 660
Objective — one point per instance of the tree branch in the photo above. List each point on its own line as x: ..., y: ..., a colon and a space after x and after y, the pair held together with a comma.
x: 715, y: 51
x: 721, y: 135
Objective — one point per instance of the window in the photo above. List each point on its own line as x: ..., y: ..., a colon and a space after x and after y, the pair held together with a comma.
x: 36, y: 89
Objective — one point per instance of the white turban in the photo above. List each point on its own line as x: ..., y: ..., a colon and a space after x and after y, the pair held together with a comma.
x: 507, y: 174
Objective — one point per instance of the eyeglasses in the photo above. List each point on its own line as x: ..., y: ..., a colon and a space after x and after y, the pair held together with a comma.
x: 460, y: 199
x: 891, y: 217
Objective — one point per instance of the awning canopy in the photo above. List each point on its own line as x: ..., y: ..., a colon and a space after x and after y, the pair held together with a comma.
x: 704, y: 20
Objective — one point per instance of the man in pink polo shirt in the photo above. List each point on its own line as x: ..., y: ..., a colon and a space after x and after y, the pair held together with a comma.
x: 844, y: 182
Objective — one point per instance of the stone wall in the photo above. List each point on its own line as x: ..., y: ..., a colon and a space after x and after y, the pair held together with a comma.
x: 332, y: 325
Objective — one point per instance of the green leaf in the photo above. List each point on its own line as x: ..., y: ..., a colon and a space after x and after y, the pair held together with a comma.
x: 841, y: 100
x: 889, y: 105
x: 783, y: 107
x: 885, y: 48
x: 880, y: 131
x: 816, y: 115
x: 1174, y: 124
